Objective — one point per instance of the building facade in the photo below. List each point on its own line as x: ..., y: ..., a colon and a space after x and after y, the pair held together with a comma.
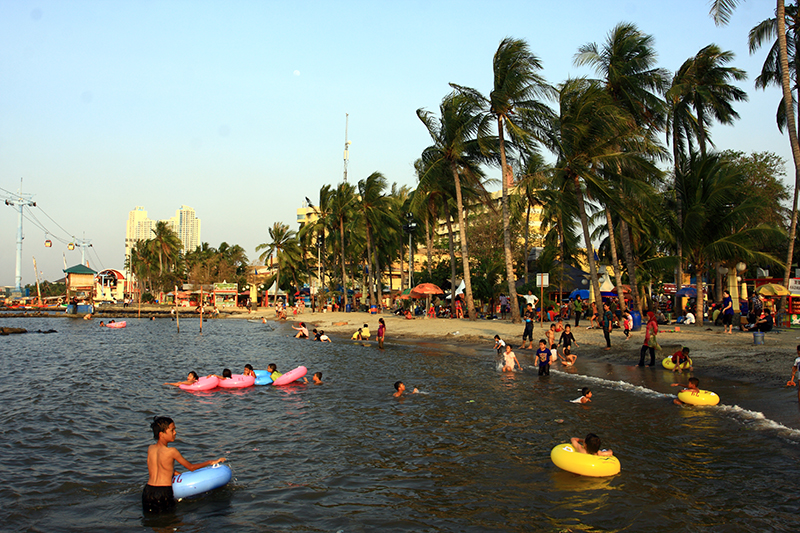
x: 185, y: 224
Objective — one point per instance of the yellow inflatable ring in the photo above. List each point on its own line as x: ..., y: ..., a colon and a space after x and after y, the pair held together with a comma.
x: 566, y: 458
x: 701, y: 397
x: 669, y: 365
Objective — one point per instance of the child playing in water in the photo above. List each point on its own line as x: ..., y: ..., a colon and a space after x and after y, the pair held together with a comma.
x: 248, y: 370
x: 590, y: 445
x: 586, y: 396
x: 317, y: 378
x: 272, y: 368
x: 192, y: 378
x: 499, y: 345
x: 627, y: 324
x: 553, y: 353
x: 680, y: 357
x: 365, y: 332
x: 157, y: 495
x: 795, y: 368
x: 693, y: 386
x: 400, y: 388
x: 226, y: 374
x: 510, y: 360
x: 543, y: 358
x: 551, y: 335
x: 567, y: 339
x: 381, y: 332
x: 323, y: 337
x: 358, y: 335
x: 302, y: 331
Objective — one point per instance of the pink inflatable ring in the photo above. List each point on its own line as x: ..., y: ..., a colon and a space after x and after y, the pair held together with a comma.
x: 204, y: 383
x: 237, y: 381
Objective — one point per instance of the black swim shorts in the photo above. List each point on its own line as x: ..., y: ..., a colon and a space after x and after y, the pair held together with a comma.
x: 528, y: 333
x: 157, y: 499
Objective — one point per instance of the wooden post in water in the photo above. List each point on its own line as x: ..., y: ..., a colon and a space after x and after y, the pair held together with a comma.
x: 175, y: 303
x: 201, y: 309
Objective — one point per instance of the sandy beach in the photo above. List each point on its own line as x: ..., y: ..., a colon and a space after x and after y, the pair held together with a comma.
x: 713, y: 352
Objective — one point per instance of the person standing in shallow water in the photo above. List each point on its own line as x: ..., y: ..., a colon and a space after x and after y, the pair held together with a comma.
x: 381, y: 332
x: 649, y: 340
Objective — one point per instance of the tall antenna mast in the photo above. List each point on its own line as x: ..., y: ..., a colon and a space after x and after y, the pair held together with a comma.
x: 346, y: 145
x: 20, y: 201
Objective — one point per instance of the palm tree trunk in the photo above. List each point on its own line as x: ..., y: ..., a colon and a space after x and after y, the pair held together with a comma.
x: 612, y: 242
x: 369, y: 277
x: 587, y: 241
x: 527, y: 238
x: 462, y: 230
x: 786, y: 84
x: 376, y: 273
x: 512, y: 287
x: 452, y: 264
x: 344, y: 270
x: 698, y: 306
x: 630, y: 260
x: 429, y: 253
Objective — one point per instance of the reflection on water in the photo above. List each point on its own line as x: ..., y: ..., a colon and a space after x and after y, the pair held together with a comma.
x: 470, y: 453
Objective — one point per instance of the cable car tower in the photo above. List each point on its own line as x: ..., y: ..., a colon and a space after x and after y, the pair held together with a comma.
x: 346, y: 145
x: 19, y: 201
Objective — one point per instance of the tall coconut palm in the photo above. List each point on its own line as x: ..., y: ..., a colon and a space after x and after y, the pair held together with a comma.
x: 283, y: 247
x: 721, y: 11
x: 372, y: 205
x: 515, y: 105
x: 320, y: 228
x: 458, y: 135
x: 342, y: 208
x: 534, y: 174
x: 771, y: 74
x: 591, y: 133
x: 165, y: 244
x: 626, y: 63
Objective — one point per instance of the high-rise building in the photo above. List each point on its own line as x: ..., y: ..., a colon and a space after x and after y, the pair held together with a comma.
x: 139, y: 228
x: 185, y: 224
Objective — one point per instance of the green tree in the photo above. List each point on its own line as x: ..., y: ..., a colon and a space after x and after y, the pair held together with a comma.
x: 514, y: 103
x: 458, y: 136
x: 283, y: 246
x: 721, y: 11
x: 372, y: 206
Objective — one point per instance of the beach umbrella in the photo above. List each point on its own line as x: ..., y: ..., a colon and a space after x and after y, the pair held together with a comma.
x: 690, y: 292
x: 583, y: 293
x: 423, y: 289
x: 773, y: 289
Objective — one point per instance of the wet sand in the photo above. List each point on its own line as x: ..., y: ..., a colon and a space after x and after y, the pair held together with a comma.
x: 713, y: 352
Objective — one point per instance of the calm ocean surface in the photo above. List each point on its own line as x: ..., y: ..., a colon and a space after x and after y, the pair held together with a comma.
x: 472, y: 453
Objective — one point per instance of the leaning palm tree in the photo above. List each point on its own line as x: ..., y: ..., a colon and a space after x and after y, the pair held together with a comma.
x: 460, y: 145
x: 342, y: 208
x: 626, y: 63
x: 283, y: 247
x: 721, y: 11
x: 771, y: 74
x: 514, y: 103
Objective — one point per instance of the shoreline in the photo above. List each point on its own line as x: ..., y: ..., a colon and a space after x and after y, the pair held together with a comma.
x: 713, y: 352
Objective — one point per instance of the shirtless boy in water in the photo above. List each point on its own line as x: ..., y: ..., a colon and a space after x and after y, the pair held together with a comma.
x: 157, y: 494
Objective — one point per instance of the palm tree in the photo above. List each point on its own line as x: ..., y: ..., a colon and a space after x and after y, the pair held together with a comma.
x: 591, y: 133
x: 626, y: 63
x: 372, y: 205
x: 320, y: 228
x: 165, y: 244
x: 342, y: 207
x: 284, y: 247
x: 721, y: 11
x: 534, y: 174
x: 513, y: 103
x: 771, y: 74
x: 458, y: 136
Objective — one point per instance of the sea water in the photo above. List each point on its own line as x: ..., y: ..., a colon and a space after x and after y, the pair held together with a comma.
x: 471, y: 452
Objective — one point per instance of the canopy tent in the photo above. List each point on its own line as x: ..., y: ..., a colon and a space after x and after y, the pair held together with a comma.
x: 459, y: 290
x: 271, y: 290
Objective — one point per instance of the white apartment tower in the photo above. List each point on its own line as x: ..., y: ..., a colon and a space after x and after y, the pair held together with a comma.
x: 139, y: 228
x: 185, y: 224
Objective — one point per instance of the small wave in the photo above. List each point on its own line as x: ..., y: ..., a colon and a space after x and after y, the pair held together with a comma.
x: 757, y: 420
x: 618, y: 385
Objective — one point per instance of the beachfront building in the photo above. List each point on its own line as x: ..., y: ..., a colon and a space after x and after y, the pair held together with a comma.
x: 139, y: 228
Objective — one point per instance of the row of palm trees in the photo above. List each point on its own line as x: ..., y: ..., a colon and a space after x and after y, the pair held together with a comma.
x: 610, y: 180
x: 160, y: 264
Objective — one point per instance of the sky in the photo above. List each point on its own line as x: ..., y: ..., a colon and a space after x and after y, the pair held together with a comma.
x: 237, y: 108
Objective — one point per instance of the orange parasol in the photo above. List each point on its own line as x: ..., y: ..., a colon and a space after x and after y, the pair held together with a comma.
x: 424, y: 289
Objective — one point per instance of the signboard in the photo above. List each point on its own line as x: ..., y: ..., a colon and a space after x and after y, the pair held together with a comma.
x: 225, y: 287
x: 794, y: 286
x: 543, y: 280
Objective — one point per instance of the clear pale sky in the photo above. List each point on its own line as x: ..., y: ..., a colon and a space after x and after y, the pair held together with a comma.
x: 237, y: 108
